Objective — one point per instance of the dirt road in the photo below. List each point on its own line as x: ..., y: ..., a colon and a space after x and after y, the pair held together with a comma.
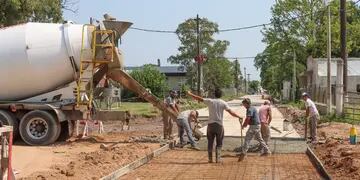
x: 84, y: 159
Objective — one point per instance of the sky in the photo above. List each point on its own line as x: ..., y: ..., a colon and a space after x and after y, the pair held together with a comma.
x: 144, y: 47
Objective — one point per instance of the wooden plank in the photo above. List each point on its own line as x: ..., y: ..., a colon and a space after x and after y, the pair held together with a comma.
x: 135, y: 164
x: 131, y: 84
x: 317, y: 163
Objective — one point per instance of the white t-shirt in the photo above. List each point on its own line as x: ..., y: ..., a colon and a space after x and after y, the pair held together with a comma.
x: 216, y: 110
x: 184, y: 115
x: 312, y: 107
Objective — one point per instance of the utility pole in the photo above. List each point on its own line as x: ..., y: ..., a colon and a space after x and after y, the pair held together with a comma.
x: 343, y: 40
x: 329, y: 102
x: 248, y: 80
x: 245, y: 80
x: 199, y: 81
x: 236, y: 76
x: 294, y: 76
x: 341, y: 64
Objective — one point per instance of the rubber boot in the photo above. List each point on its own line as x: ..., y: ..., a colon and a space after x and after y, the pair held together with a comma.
x: 210, y: 157
x: 218, y: 155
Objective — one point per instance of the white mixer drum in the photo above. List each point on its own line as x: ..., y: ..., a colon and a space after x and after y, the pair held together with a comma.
x: 34, y: 58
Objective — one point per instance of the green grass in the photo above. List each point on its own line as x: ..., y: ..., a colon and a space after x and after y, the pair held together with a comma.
x: 232, y: 97
x: 146, y: 109
x: 139, y: 109
x: 342, y: 119
x: 297, y: 104
x: 187, y: 104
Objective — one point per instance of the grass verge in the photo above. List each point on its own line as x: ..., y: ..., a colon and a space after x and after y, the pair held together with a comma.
x: 143, y: 109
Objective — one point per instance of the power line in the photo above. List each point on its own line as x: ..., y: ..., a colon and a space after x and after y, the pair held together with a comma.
x: 243, y: 28
x: 221, y: 30
x: 239, y: 58
x: 152, y: 30
x: 224, y: 30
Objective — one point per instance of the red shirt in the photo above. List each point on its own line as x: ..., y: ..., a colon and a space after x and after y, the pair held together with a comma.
x: 264, y: 113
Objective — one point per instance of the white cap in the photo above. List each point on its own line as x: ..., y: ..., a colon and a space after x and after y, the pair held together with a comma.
x: 305, y: 94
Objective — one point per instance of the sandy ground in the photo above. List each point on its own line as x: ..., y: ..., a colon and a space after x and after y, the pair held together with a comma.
x: 340, y: 158
x: 84, y: 159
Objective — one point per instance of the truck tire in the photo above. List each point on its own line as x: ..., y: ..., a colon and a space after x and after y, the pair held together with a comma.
x: 39, y: 128
x: 9, y: 119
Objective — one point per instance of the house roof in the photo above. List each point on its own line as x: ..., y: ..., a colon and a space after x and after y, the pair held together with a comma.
x: 353, y: 66
x: 162, y: 69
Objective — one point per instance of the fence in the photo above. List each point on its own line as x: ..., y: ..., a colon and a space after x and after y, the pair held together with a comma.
x: 318, y: 94
x: 351, y: 101
x: 352, y: 106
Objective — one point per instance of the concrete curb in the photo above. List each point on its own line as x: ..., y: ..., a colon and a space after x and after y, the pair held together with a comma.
x: 277, y: 138
x: 137, y: 163
x: 317, y: 163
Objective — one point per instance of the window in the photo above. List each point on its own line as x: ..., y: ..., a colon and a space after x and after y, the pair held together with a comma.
x: 358, y: 88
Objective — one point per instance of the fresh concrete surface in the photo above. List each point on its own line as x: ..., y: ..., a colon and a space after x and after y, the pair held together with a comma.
x: 232, y: 125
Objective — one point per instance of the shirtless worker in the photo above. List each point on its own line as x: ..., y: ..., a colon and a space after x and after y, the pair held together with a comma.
x: 215, y: 127
x: 252, y: 119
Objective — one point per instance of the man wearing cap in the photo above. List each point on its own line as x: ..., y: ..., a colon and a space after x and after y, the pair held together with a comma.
x: 170, y: 101
x: 252, y: 119
x: 313, y: 114
x: 265, y: 119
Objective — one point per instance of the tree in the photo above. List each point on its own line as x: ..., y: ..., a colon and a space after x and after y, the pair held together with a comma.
x: 151, y: 78
x: 218, y: 74
x: 300, y: 26
x: 20, y: 11
x: 213, y: 49
x: 254, y: 86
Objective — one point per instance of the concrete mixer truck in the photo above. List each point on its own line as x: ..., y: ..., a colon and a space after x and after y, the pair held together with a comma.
x: 48, y: 73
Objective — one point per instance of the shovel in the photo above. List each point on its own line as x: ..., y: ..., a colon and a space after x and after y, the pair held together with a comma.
x: 241, y: 139
x: 241, y: 131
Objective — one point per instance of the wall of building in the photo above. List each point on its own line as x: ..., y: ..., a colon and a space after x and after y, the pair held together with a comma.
x: 353, y: 81
x: 175, y: 82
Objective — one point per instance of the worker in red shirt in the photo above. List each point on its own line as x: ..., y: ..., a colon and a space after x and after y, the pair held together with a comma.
x: 265, y: 119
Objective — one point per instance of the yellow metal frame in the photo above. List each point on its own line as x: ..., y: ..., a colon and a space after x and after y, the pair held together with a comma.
x: 82, y: 81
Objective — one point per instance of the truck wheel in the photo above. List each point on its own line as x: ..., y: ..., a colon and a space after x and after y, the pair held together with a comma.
x: 39, y: 128
x: 9, y: 119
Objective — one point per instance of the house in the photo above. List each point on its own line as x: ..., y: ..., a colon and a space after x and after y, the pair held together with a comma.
x: 314, y: 80
x: 175, y: 75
